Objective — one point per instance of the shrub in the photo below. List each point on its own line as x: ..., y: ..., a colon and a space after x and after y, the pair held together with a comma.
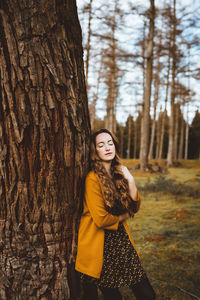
x: 169, y: 185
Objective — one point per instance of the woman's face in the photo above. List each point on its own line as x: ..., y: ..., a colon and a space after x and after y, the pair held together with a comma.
x: 105, y: 146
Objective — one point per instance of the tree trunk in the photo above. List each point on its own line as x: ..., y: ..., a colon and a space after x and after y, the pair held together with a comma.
x: 129, y: 137
x: 143, y: 85
x: 186, y: 134
x: 176, y: 129
x: 158, y: 135
x: 121, y: 140
x: 88, y: 45
x: 135, y: 141
x: 44, y: 129
x: 147, y: 92
x: 153, y: 130
x: 180, y: 151
x: 165, y: 112
x: 171, y: 119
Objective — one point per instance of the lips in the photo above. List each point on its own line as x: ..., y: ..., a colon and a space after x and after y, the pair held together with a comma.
x: 109, y: 153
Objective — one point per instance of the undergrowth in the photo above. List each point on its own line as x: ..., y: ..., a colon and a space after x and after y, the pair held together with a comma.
x: 169, y: 185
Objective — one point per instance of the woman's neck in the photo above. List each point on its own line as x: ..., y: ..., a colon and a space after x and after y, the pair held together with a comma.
x: 107, y: 166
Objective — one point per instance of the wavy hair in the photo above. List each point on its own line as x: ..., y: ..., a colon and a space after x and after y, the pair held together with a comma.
x: 117, y: 199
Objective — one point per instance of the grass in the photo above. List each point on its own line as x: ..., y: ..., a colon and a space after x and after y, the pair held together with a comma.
x: 166, y: 231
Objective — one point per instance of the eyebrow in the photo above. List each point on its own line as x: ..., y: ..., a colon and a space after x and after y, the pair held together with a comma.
x: 104, y: 142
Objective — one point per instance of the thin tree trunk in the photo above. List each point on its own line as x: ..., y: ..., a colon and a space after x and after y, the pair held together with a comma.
x: 186, y: 134
x: 153, y: 130
x: 176, y: 129
x: 158, y: 135
x: 180, y: 152
x: 165, y: 111
x: 88, y: 45
x: 121, y: 140
x: 93, y: 112
x: 186, y: 140
x: 143, y: 84
x: 44, y: 130
x: 129, y: 137
x: 171, y: 119
x: 135, y: 140
x: 147, y: 95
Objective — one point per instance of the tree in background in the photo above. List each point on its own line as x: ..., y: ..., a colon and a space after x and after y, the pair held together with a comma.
x: 194, y: 137
x: 44, y: 129
x: 175, y: 42
x: 147, y: 90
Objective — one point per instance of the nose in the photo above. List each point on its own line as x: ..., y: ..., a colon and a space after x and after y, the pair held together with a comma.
x: 107, y: 147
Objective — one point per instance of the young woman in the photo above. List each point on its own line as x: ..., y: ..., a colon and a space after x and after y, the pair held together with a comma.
x: 106, y: 254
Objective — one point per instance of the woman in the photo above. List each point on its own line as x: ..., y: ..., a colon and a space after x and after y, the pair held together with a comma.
x: 106, y: 255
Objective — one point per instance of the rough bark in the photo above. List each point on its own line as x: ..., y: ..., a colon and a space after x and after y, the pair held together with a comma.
x: 147, y: 92
x: 44, y: 130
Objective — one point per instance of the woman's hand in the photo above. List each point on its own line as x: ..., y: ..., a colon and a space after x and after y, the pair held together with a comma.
x: 131, y: 182
x: 124, y: 217
x: 127, y: 174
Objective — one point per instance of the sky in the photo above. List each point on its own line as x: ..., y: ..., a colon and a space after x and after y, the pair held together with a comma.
x: 130, y: 95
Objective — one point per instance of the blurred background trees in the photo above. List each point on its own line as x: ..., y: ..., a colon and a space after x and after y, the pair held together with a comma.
x: 143, y: 75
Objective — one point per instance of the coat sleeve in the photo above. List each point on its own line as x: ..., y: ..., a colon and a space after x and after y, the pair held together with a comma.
x: 94, y: 201
x: 137, y: 202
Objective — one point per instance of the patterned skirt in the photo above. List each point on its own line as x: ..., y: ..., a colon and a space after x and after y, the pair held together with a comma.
x: 121, y: 265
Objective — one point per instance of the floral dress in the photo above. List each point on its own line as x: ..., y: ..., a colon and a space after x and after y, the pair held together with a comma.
x: 121, y: 264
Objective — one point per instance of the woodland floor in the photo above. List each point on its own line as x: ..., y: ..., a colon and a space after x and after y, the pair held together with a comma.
x: 166, y: 230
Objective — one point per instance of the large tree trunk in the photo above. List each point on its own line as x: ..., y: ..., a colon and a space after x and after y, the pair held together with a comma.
x: 44, y: 128
x: 147, y: 92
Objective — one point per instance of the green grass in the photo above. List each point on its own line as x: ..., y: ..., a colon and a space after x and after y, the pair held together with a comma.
x: 166, y: 231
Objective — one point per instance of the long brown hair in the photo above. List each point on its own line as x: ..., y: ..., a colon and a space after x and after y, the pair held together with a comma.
x: 115, y: 190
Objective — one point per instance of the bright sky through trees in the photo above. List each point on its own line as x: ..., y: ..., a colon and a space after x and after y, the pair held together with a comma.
x: 128, y: 36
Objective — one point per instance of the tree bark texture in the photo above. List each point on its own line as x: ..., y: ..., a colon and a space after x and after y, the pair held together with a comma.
x: 147, y: 91
x: 44, y: 128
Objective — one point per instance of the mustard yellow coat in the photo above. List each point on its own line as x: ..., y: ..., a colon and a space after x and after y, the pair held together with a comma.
x: 93, y: 221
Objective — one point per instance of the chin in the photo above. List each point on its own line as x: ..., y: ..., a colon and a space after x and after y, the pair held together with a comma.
x: 109, y: 158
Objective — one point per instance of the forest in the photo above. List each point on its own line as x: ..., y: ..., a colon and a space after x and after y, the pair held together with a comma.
x: 70, y: 67
x: 142, y: 75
